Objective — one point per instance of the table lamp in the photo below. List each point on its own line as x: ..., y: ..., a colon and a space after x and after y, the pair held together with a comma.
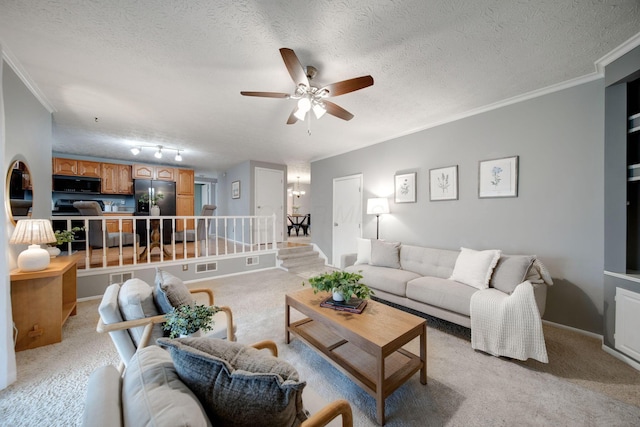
x: 377, y: 206
x: 33, y: 232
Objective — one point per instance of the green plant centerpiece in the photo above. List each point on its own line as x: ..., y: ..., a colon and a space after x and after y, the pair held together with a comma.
x: 188, y: 319
x: 65, y: 236
x: 343, y: 284
x: 153, y: 200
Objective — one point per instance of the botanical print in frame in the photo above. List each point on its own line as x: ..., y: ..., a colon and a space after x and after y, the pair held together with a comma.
x: 405, y: 188
x: 235, y: 190
x: 443, y: 183
x: 498, y: 177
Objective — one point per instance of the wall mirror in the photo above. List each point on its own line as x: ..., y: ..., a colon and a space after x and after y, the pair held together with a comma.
x: 19, y: 191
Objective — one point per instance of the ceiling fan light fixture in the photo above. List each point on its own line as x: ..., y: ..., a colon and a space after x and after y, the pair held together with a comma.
x: 318, y: 110
x: 158, y: 154
x: 300, y: 114
x: 304, y: 104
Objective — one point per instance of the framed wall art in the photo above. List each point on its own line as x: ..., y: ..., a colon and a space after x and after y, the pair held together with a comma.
x: 405, y: 188
x: 443, y: 183
x: 235, y: 190
x: 498, y: 177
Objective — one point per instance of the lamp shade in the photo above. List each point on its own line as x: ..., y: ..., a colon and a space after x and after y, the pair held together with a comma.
x: 33, y: 232
x: 377, y: 206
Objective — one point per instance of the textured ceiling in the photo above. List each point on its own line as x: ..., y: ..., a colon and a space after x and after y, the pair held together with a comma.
x: 170, y: 72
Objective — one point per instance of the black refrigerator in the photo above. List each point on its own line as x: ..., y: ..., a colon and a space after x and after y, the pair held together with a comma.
x: 167, y: 205
x: 152, y: 188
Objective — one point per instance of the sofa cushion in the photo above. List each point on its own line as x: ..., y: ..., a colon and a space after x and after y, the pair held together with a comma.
x: 428, y: 261
x: 364, y: 251
x: 510, y: 271
x: 170, y: 291
x: 447, y: 294
x: 135, y: 300
x: 154, y: 395
x: 474, y: 268
x: 391, y: 280
x: 238, y: 385
x: 385, y: 254
x: 102, y: 405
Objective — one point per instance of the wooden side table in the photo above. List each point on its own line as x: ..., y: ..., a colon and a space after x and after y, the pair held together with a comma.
x: 42, y: 301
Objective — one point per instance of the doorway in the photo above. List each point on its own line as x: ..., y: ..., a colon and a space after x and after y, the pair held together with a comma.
x: 347, y: 216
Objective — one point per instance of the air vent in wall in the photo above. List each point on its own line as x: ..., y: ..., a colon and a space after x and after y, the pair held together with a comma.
x: 210, y: 266
x: 120, y: 277
x: 253, y: 260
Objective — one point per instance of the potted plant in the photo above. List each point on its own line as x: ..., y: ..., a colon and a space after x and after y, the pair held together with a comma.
x: 62, y: 237
x: 154, y: 209
x: 189, y: 320
x: 344, y: 285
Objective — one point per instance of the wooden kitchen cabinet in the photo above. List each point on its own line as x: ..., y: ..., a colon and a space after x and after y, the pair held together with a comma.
x: 65, y: 166
x: 184, y: 207
x: 112, y: 224
x: 73, y: 167
x: 116, y: 179
x: 162, y: 173
x: 184, y: 186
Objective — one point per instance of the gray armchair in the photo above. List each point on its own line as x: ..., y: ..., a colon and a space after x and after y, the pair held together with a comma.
x: 97, y: 236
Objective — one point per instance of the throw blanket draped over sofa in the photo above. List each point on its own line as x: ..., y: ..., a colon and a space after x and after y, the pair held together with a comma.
x: 475, y: 289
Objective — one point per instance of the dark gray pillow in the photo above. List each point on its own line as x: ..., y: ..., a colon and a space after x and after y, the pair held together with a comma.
x: 170, y: 291
x: 238, y: 385
x: 510, y: 271
x: 385, y: 254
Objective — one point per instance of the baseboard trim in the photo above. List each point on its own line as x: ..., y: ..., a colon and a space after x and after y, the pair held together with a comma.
x: 571, y: 328
x: 622, y: 357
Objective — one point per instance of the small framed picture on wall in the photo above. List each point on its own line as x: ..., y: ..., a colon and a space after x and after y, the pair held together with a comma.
x: 235, y: 190
x: 498, y: 177
x: 443, y: 183
x: 405, y: 188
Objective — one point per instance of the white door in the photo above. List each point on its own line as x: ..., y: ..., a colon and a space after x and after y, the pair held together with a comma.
x: 347, y: 215
x: 269, y: 200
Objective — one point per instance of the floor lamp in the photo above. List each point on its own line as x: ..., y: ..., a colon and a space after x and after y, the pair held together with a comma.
x: 378, y: 206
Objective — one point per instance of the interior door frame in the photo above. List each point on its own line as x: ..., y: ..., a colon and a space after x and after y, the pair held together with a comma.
x: 335, y: 254
x: 280, y: 225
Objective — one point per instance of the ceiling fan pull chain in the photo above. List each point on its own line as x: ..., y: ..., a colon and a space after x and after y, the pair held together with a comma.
x: 309, y: 122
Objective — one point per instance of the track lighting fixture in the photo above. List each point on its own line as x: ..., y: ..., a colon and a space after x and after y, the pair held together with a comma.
x: 158, y: 151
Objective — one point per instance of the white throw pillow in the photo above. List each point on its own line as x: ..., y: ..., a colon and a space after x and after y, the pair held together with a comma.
x: 364, y: 251
x: 474, y: 268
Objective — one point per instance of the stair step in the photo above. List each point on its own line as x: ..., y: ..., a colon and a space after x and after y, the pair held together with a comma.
x: 295, y: 250
x: 297, y: 255
x: 292, y: 262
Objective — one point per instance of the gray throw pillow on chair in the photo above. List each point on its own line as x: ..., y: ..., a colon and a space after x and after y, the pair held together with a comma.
x: 237, y: 384
x: 170, y: 291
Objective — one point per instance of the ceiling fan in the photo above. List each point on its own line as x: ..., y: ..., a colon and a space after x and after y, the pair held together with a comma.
x: 312, y: 98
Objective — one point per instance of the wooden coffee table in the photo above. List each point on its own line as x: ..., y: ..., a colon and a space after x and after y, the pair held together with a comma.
x: 366, y: 347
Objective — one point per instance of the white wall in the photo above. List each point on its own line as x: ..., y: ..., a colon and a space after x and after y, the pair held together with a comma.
x: 558, y: 214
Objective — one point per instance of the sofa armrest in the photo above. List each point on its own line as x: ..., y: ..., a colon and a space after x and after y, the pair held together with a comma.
x: 103, y: 405
x: 347, y: 260
x: 540, y: 294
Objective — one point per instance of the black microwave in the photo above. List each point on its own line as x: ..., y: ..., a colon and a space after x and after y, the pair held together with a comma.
x: 76, y: 184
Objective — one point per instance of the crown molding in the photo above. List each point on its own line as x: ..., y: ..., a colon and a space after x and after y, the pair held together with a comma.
x: 616, y: 53
x: 15, y: 65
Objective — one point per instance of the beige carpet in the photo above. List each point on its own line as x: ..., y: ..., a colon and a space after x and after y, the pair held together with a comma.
x: 581, y: 386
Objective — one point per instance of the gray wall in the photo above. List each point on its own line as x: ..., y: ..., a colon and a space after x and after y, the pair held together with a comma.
x: 28, y: 137
x: 558, y: 214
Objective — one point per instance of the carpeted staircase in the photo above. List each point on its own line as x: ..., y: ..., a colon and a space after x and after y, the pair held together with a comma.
x: 299, y: 259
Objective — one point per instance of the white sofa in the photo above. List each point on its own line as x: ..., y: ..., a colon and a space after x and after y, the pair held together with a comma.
x: 419, y: 278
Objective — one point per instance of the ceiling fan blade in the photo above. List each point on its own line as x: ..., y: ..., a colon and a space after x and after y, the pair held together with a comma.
x: 292, y: 117
x: 296, y: 71
x: 351, y: 85
x: 336, y: 110
x: 266, y: 94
